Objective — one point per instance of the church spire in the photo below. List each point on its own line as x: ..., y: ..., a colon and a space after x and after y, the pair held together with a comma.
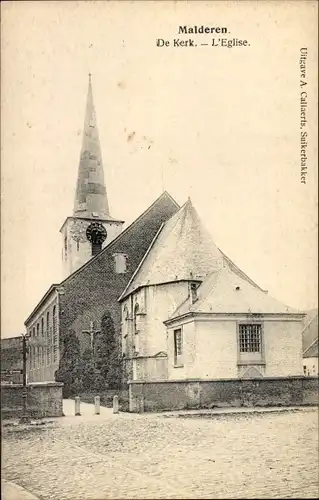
x: 91, y: 198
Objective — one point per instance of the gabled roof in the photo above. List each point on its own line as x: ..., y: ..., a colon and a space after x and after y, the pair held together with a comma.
x: 182, y: 250
x: 313, y: 350
x: 165, y: 199
x: 225, y: 292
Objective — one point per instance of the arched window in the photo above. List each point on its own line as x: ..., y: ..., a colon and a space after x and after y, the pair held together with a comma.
x: 55, y: 336
x: 42, y: 327
x: 38, y: 329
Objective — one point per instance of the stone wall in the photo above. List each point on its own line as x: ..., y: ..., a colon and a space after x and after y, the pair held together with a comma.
x: 193, y: 394
x: 44, y: 400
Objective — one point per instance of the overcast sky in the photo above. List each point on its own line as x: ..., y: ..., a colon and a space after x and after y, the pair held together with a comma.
x: 221, y: 125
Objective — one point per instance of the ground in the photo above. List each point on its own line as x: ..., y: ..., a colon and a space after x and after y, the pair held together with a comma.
x: 243, y: 455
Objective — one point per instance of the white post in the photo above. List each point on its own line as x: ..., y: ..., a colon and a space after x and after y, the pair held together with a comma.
x: 115, y: 404
x: 77, y: 406
x: 97, y: 405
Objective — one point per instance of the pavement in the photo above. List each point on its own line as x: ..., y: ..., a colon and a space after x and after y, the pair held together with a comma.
x: 269, y: 453
x: 87, y: 411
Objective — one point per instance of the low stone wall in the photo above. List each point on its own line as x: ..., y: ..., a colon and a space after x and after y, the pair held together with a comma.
x: 193, y: 394
x: 44, y: 400
x: 106, y: 398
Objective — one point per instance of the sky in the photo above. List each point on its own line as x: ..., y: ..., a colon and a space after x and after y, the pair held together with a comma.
x: 221, y: 125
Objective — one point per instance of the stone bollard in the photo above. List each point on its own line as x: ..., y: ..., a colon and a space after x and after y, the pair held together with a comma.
x: 97, y: 405
x: 77, y: 406
x: 115, y: 404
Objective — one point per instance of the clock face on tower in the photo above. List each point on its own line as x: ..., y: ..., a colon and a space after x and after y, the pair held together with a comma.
x: 96, y: 233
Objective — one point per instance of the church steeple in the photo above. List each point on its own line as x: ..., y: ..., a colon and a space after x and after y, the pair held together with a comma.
x: 91, y: 227
x: 91, y: 198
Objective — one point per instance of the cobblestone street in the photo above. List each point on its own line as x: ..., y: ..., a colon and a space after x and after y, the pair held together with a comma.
x: 264, y: 455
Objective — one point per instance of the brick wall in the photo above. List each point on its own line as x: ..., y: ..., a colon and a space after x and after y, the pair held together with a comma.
x: 11, y: 353
x: 96, y: 287
x: 44, y: 400
x: 192, y: 394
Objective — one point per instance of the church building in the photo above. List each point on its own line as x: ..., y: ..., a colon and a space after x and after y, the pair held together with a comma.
x: 98, y: 259
x: 189, y: 312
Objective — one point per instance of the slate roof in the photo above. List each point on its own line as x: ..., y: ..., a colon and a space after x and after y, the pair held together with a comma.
x: 182, y: 250
x: 133, y: 241
x: 91, y: 197
x: 226, y: 292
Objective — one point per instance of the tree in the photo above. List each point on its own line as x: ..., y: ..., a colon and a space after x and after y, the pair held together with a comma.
x: 87, y: 370
x: 107, y: 352
x: 69, y: 371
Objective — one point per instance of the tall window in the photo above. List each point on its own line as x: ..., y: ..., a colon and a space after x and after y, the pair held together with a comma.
x: 125, y: 331
x: 33, y: 349
x: 136, y: 331
x: 55, y: 336
x: 250, y: 338
x: 136, y: 309
x: 48, y: 339
x: 178, y: 347
x: 65, y: 247
x: 42, y: 336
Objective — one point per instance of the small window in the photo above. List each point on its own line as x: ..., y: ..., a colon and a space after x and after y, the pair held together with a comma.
x: 250, y: 338
x: 193, y: 292
x: 178, y: 347
x: 304, y: 370
x: 120, y: 262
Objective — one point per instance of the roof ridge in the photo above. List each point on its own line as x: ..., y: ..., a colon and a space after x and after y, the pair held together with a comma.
x: 141, y: 263
x: 124, y: 293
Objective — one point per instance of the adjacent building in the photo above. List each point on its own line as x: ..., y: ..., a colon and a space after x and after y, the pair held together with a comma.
x: 189, y: 312
x: 11, y: 360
